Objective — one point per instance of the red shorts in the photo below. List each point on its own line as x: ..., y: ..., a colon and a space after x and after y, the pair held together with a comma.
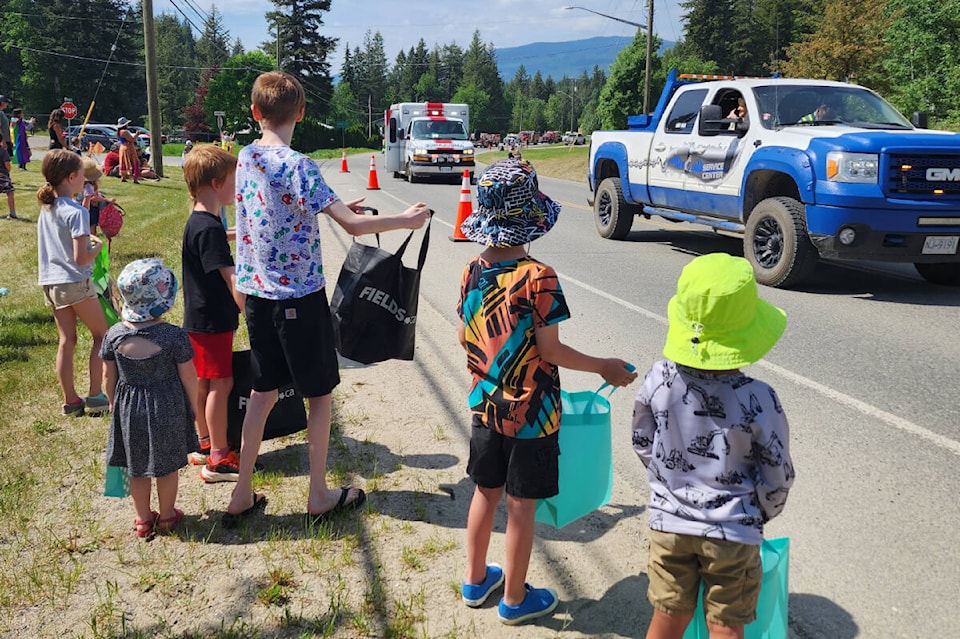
x: 212, y: 354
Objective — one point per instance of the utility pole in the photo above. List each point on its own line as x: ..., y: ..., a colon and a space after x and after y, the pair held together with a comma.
x: 646, y: 80
x: 153, y: 101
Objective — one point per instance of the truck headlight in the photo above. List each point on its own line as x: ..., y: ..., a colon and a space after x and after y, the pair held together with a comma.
x: 468, y: 151
x: 843, y: 166
x: 420, y: 151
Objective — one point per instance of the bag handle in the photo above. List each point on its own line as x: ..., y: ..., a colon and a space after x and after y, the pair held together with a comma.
x: 424, y: 244
x: 630, y: 367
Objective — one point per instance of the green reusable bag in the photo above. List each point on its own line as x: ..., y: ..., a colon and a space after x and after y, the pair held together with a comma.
x: 771, y: 621
x: 117, y: 483
x: 586, y: 459
x: 104, y: 286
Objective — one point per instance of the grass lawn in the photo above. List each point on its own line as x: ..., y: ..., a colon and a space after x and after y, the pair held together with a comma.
x: 557, y: 160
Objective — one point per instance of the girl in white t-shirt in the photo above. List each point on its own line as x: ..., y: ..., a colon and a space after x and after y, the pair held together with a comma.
x: 66, y: 251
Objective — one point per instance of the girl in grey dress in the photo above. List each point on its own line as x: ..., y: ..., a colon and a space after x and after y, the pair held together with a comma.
x: 152, y: 387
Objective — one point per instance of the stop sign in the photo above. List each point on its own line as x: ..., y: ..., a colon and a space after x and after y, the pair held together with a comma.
x: 69, y: 110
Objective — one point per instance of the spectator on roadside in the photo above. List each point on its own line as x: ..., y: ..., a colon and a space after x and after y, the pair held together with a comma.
x: 287, y: 313
x: 58, y: 139
x: 19, y: 129
x: 5, y: 124
x: 111, y: 161
x: 129, y: 157
x: 6, y: 183
x: 718, y: 466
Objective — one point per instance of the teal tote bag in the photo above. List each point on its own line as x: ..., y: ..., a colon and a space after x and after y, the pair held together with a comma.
x: 771, y: 621
x: 586, y: 459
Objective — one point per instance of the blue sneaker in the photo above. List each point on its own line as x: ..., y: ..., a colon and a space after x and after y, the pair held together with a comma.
x: 537, y: 603
x: 475, y: 594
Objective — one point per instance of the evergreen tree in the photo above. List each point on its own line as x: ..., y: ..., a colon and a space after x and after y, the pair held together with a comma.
x: 370, y: 78
x: 212, y: 46
x: 449, y: 70
x: 303, y: 52
x: 622, y: 95
x: 176, y: 85
x: 482, y: 78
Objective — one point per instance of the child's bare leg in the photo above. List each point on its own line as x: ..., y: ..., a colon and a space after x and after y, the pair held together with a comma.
x: 200, y: 419
x: 11, y: 205
x: 321, y: 498
x: 259, y: 406
x: 483, y: 507
x: 140, y: 492
x: 91, y: 314
x: 519, y: 544
x: 718, y: 631
x: 66, y: 320
x: 167, y: 494
x: 217, y: 404
x: 667, y: 626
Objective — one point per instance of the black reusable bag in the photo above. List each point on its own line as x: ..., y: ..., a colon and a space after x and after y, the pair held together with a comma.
x: 374, y: 305
x: 287, y: 416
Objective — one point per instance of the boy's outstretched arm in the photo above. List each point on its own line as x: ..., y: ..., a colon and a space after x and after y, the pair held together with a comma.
x: 613, y: 370
x: 413, y: 218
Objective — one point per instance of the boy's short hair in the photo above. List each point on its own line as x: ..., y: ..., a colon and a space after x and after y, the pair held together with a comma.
x: 204, y: 164
x: 279, y: 96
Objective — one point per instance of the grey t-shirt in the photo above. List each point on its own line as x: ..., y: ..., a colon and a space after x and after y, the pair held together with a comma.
x: 56, y: 229
x: 5, y: 129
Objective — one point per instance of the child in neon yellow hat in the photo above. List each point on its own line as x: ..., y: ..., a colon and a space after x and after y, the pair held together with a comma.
x: 715, y: 443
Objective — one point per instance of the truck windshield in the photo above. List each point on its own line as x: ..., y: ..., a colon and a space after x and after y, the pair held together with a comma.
x: 436, y: 129
x: 809, y: 105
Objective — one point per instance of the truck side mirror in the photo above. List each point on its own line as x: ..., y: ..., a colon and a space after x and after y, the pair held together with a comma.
x: 919, y: 119
x: 711, y: 120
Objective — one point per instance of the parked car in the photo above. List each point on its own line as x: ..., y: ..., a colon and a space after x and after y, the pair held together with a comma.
x: 574, y: 137
x: 144, y: 137
x: 105, y: 134
x: 550, y: 137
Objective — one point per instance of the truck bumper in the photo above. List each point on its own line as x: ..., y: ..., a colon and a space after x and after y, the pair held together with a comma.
x: 437, y: 169
x: 888, y: 236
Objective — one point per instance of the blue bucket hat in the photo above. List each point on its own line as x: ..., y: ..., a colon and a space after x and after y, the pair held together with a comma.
x: 511, y: 210
x: 148, y: 289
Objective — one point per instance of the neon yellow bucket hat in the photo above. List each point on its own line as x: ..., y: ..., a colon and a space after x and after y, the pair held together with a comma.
x: 717, y: 320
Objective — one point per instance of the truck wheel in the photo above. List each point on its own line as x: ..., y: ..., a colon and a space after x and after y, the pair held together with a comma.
x: 410, y: 178
x: 947, y: 274
x: 776, y: 242
x: 612, y: 214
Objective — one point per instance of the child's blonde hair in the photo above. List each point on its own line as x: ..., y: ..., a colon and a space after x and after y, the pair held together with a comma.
x: 204, y: 164
x: 278, y: 96
x: 58, y: 165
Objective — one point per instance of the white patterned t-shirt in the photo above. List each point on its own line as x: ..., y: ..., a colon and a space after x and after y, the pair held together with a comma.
x: 280, y: 192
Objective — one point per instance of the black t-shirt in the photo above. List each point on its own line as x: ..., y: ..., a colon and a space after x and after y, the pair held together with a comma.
x: 209, y: 307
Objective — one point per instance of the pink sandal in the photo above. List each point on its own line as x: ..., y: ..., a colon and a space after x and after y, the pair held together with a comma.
x: 170, y: 524
x: 145, y: 528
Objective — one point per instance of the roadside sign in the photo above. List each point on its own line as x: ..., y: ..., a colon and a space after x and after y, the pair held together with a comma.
x: 69, y: 109
x: 343, y: 124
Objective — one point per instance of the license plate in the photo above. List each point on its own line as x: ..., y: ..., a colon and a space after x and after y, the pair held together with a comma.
x: 941, y: 244
x: 448, y: 169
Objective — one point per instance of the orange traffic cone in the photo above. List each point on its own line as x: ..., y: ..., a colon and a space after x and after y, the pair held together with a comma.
x: 343, y: 162
x: 372, y: 183
x: 464, y: 209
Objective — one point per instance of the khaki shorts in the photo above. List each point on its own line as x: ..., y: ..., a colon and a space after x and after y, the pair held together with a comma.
x: 63, y: 295
x: 731, y: 574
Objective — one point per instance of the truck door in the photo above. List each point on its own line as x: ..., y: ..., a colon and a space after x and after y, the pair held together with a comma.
x: 716, y: 161
x: 671, y: 150
x: 393, y: 141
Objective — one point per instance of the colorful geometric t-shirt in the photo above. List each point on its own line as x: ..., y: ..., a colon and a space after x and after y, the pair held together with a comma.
x: 514, y: 391
x: 279, y: 194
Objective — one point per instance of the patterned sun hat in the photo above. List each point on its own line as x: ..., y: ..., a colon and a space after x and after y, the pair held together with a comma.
x: 511, y: 210
x: 148, y: 289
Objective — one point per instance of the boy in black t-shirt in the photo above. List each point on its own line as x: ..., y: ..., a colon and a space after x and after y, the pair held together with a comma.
x: 211, y: 303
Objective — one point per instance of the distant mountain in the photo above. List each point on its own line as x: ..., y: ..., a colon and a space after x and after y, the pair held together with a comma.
x: 558, y: 59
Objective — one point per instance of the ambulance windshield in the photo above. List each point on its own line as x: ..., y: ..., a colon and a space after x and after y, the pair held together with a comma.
x: 439, y: 129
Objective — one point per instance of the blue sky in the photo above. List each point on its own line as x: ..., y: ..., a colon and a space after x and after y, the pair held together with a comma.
x: 403, y: 22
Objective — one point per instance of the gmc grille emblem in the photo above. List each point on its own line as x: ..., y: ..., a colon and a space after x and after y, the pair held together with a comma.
x: 943, y: 175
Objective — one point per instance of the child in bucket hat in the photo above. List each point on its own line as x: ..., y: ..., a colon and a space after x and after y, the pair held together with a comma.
x: 152, y: 387
x: 511, y: 306
x: 715, y: 443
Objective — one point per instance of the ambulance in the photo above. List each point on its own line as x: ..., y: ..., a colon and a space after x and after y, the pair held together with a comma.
x: 428, y: 139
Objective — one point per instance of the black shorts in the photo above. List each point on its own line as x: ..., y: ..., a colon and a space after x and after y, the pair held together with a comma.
x: 292, y: 340
x: 95, y: 214
x: 528, y: 467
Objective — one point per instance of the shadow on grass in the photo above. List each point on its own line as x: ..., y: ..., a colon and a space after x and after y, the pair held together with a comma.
x: 24, y: 329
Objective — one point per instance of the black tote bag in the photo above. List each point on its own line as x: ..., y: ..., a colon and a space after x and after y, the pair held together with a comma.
x: 374, y: 305
x: 288, y: 415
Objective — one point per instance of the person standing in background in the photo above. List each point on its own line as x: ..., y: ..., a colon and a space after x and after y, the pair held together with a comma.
x: 58, y: 139
x: 129, y: 159
x: 5, y: 123
x: 18, y: 131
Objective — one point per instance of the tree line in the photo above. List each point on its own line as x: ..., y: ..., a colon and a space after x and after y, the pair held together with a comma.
x: 904, y: 49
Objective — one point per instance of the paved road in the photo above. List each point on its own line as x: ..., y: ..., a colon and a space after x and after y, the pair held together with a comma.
x: 867, y: 370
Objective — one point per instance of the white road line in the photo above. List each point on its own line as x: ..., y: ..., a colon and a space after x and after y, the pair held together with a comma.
x: 841, y: 398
